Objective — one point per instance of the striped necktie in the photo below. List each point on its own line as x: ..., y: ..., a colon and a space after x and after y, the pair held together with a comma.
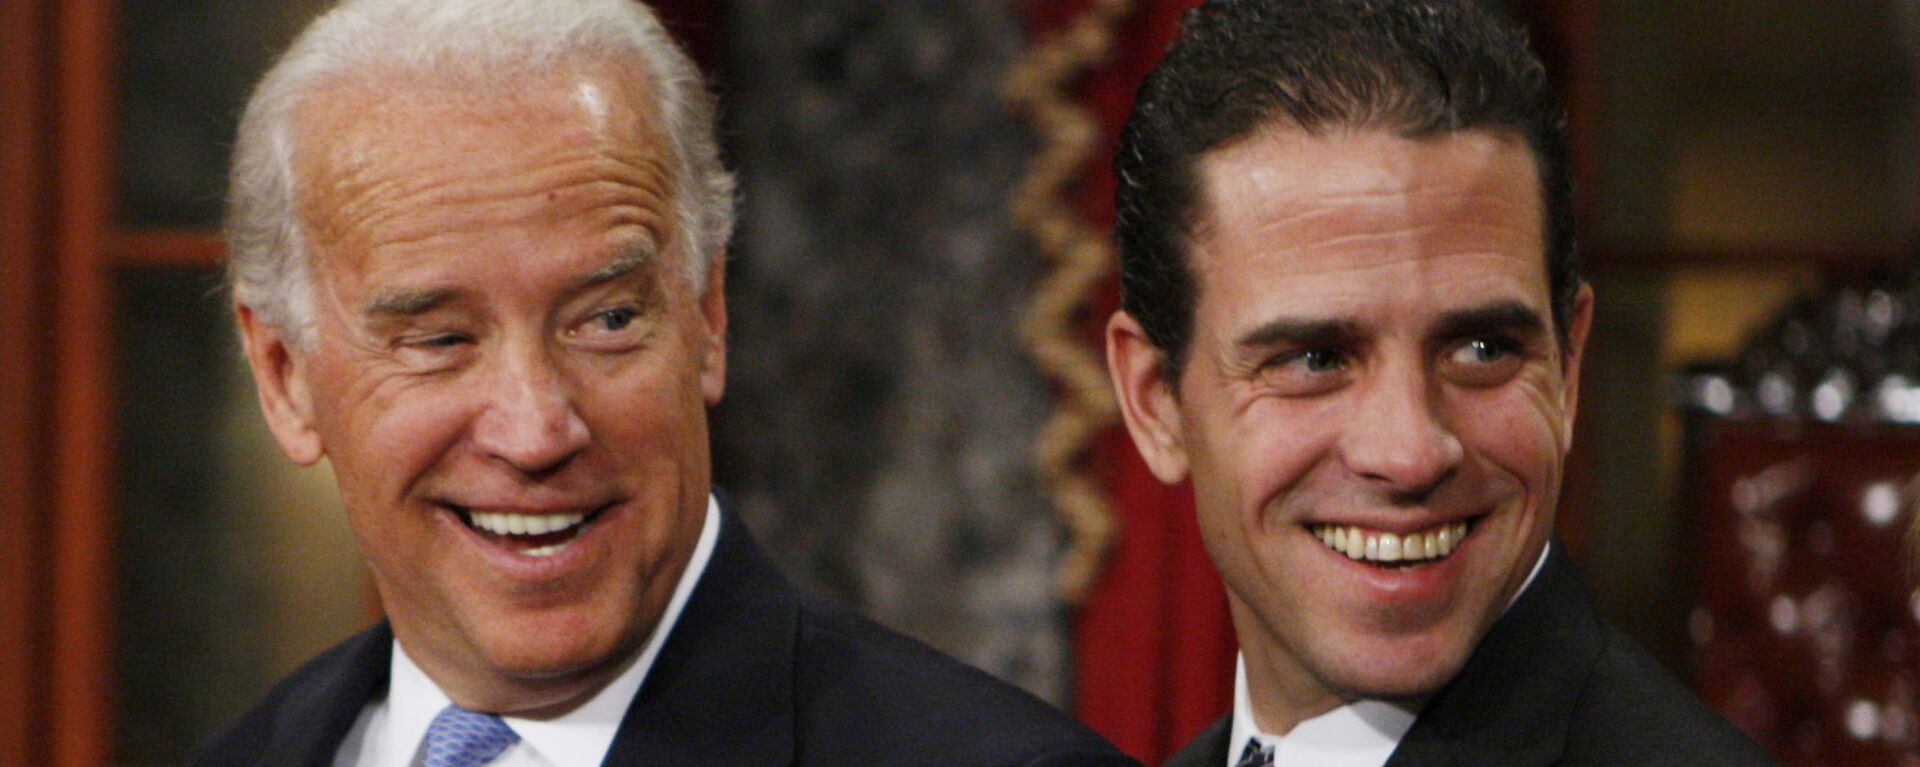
x: 1255, y: 755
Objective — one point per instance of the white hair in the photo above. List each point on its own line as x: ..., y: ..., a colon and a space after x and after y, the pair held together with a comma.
x: 479, y: 41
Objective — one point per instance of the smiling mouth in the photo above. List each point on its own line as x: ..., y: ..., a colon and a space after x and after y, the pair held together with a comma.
x: 533, y: 535
x: 1379, y: 547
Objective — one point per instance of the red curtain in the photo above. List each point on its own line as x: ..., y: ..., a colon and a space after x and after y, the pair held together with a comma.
x: 1153, y: 647
x: 695, y: 24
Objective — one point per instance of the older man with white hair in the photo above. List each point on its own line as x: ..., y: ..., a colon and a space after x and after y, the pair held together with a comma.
x: 477, y: 267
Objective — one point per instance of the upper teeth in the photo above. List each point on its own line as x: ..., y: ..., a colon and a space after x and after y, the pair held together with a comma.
x: 505, y: 523
x: 1376, y: 546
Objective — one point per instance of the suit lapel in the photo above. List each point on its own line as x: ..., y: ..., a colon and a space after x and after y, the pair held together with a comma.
x: 316, y: 716
x: 721, y: 691
x: 1513, y: 701
x: 1208, y: 749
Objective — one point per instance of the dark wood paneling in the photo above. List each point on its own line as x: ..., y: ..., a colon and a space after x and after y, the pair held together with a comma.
x: 22, y: 403
x: 82, y: 527
x: 1837, y: 259
x: 183, y: 249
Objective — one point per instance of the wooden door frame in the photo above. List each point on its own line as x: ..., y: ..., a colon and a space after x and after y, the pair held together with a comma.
x: 82, y: 526
x: 23, y: 394
x: 56, y: 487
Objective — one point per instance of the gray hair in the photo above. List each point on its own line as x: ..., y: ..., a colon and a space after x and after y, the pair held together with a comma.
x: 485, y: 41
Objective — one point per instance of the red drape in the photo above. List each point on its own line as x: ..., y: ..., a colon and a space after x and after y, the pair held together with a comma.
x: 695, y: 24
x: 1153, y: 647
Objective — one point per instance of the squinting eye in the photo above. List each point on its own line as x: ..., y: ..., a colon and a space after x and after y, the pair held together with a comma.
x: 434, y: 352
x: 442, y: 342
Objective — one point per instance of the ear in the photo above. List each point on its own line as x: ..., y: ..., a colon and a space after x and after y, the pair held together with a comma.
x: 1579, y: 321
x: 1147, y: 399
x: 713, y: 348
x: 280, y: 377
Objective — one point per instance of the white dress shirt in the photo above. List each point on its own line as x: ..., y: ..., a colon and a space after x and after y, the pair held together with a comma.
x: 389, y: 730
x: 1360, y: 733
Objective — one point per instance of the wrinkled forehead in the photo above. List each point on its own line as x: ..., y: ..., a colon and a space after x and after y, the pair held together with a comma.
x: 385, y: 127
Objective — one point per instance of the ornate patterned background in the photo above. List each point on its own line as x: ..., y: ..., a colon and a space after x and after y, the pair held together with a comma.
x: 880, y: 409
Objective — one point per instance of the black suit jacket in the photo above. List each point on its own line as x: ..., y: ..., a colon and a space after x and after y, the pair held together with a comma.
x: 1551, y: 684
x: 752, y: 674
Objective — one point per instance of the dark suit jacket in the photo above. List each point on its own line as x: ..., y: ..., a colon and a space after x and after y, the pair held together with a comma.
x: 753, y: 674
x: 1551, y: 684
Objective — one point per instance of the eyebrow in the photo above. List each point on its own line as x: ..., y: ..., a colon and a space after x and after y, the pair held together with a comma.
x: 1293, y: 331
x: 409, y: 303
x: 1504, y: 315
x: 1507, y: 315
x: 629, y: 261
x: 412, y: 303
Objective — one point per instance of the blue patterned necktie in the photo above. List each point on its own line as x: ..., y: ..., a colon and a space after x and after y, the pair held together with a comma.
x: 462, y: 738
x: 1255, y: 755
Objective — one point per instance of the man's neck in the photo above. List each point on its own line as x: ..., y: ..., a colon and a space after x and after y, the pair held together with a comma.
x: 1277, y: 701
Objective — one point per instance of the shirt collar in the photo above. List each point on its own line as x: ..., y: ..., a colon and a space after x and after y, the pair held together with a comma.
x: 585, y: 734
x: 1361, y: 732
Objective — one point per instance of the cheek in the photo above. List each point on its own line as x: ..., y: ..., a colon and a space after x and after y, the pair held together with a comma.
x: 653, y: 407
x: 1518, y: 429
x: 382, y: 434
x: 1275, y: 448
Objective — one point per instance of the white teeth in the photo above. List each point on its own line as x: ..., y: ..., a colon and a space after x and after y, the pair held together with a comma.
x: 1389, y: 547
x: 1378, y: 546
x: 524, y: 524
x: 545, y: 551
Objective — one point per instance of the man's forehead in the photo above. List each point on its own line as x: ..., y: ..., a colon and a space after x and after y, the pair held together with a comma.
x: 1356, y: 192
x: 1359, y: 227
x: 1289, y: 165
x: 351, y: 120
x: 366, y: 152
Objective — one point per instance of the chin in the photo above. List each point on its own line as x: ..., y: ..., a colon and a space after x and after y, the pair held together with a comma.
x: 550, y: 649
x: 1399, y: 670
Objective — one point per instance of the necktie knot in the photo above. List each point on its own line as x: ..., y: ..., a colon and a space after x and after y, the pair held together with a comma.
x: 1255, y: 755
x: 462, y: 738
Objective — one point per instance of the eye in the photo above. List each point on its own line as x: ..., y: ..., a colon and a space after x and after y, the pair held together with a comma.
x: 1322, y: 360
x: 615, y: 320
x: 1481, y: 351
x: 433, y: 351
x: 1306, y: 372
x: 611, y: 329
x: 1484, y: 361
x: 445, y: 341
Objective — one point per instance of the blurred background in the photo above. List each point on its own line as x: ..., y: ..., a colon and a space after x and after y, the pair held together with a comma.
x: 914, y: 423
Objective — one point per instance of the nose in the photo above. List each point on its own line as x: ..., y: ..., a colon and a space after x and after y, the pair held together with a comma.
x: 530, y: 421
x: 1398, y: 438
